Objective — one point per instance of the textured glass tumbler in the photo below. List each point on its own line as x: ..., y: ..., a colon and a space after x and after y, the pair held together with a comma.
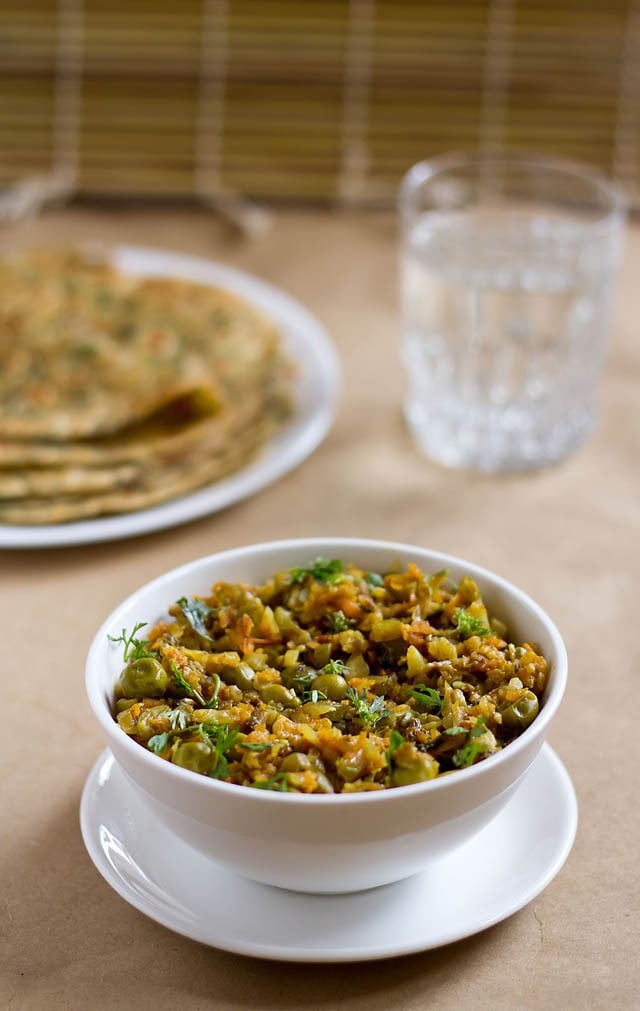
x: 507, y: 270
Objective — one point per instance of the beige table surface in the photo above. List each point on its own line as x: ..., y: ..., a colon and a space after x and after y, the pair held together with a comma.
x: 569, y: 536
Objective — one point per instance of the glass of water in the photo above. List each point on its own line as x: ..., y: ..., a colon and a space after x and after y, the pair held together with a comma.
x: 508, y: 266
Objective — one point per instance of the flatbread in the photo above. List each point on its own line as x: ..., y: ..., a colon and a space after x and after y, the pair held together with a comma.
x: 86, y: 351
x: 208, y: 443
x: 157, y: 439
x: 154, y: 488
x: 118, y: 393
x: 44, y: 482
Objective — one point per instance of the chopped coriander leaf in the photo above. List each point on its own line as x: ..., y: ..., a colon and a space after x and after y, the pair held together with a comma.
x: 329, y: 572
x: 277, y: 782
x: 439, y: 575
x: 222, y: 733
x: 395, y: 741
x: 467, y: 755
x: 313, y: 696
x: 338, y: 621
x: 158, y: 743
x: 255, y: 745
x: 428, y: 697
x: 221, y: 738
x: 467, y: 625
x: 185, y: 684
x: 335, y: 667
x: 133, y: 648
x: 369, y: 713
x: 454, y: 731
x: 222, y: 767
x: 178, y: 719
x: 213, y: 701
x: 196, y: 612
x: 302, y: 681
x: 374, y: 579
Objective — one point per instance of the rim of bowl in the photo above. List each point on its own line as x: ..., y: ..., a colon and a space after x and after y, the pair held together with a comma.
x: 103, y: 714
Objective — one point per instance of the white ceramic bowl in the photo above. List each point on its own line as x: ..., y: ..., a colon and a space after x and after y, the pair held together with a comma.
x: 323, y: 843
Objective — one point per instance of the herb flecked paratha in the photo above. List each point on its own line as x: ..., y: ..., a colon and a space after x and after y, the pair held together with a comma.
x: 117, y: 393
x: 86, y: 351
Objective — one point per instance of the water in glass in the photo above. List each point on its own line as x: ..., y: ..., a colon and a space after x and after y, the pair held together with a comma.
x: 505, y: 315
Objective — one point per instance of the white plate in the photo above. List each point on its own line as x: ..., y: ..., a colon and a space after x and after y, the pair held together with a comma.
x: 495, y: 874
x: 316, y: 391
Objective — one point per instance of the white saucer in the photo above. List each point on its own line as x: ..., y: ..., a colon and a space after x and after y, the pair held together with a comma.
x: 502, y: 869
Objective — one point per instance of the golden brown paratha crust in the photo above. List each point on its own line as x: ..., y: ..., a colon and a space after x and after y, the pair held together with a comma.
x: 86, y: 351
x: 61, y: 481
x: 45, y: 482
x: 152, y: 440
x: 158, y: 487
x: 117, y: 394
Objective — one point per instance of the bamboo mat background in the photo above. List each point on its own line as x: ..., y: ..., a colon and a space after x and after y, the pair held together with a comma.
x: 309, y: 99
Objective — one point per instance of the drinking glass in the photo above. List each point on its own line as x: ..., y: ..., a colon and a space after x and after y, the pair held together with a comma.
x: 508, y: 266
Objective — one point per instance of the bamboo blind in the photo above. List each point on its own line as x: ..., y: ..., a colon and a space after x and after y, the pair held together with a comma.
x: 309, y: 99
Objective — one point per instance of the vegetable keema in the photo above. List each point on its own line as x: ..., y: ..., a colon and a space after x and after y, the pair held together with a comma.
x: 329, y: 678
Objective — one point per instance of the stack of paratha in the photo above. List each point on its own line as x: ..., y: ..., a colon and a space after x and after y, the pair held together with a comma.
x: 119, y: 393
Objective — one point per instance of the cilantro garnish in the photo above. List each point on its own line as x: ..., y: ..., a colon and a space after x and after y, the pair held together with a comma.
x: 178, y: 719
x: 133, y: 648
x: 369, y: 713
x: 196, y: 612
x: 277, y: 782
x: 335, y: 667
x: 221, y: 738
x: 454, y: 731
x: 179, y: 677
x: 373, y: 579
x: 313, y: 696
x: 302, y: 681
x: 467, y: 625
x: 255, y: 745
x: 328, y: 572
x: 428, y: 697
x: 395, y: 741
x: 338, y: 621
x: 439, y: 575
x: 213, y: 701
x: 158, y: 743
x: 467, y: 755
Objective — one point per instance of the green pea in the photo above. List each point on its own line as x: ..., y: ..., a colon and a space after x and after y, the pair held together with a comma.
x: 333, y: 686
x: 418, y: 773
x: 144, y: 678
x: 123, y: 704
x: 280, y: 695
x: 412, y: 766
x: 521, y: 713
x: 196, y: 756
